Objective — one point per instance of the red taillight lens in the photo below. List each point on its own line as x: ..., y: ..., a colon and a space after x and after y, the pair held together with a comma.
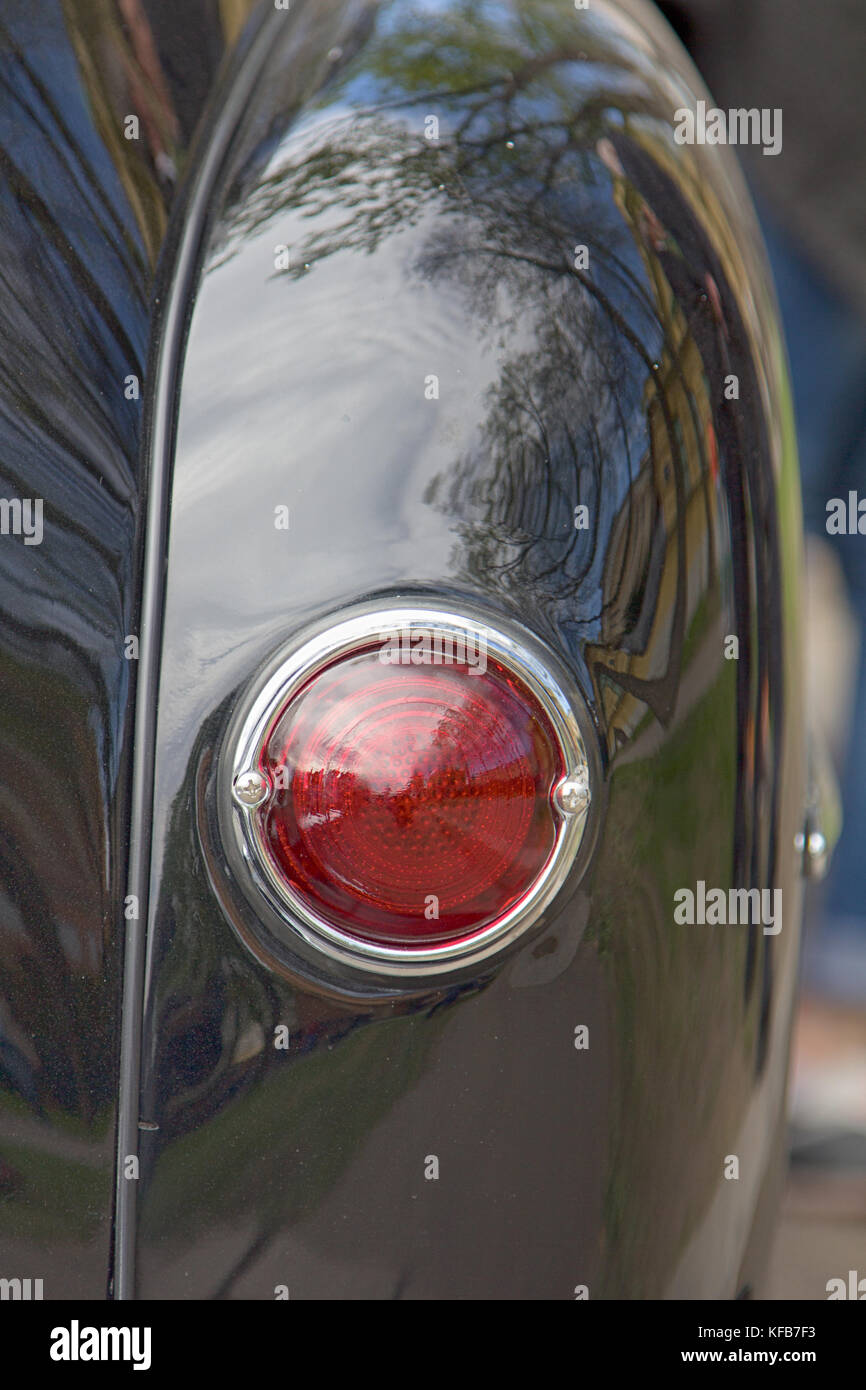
x: 412, y: 805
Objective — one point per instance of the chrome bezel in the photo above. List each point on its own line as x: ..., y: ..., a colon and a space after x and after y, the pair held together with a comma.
x: 243, y: 825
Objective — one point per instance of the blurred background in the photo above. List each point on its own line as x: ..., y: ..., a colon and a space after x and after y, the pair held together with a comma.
x: 810, y: 60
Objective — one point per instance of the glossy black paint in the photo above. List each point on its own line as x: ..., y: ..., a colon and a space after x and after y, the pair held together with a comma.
x: 561, y: 383
x: 558, y: 386
x: 75, y: 321
x: 83, y: 214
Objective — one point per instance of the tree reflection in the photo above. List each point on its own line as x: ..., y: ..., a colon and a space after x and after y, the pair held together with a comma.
x: 522, y: 204
x: 607, y: 394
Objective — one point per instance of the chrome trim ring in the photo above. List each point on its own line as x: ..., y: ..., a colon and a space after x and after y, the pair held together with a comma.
x: 244, y: 792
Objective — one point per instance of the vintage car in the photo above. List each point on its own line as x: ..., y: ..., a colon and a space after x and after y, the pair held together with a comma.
x: 404, y: 802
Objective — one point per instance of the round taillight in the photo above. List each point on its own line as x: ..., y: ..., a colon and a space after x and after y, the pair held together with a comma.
x: 410, y: 787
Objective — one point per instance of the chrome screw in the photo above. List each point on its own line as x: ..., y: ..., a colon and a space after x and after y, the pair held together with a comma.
x: 251, y: 789
x: 572, y: 794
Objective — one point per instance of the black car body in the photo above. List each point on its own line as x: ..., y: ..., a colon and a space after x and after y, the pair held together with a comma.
x: 232, y: 303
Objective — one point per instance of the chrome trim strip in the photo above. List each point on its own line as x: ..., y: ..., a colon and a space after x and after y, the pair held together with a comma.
x: 177, y: 278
